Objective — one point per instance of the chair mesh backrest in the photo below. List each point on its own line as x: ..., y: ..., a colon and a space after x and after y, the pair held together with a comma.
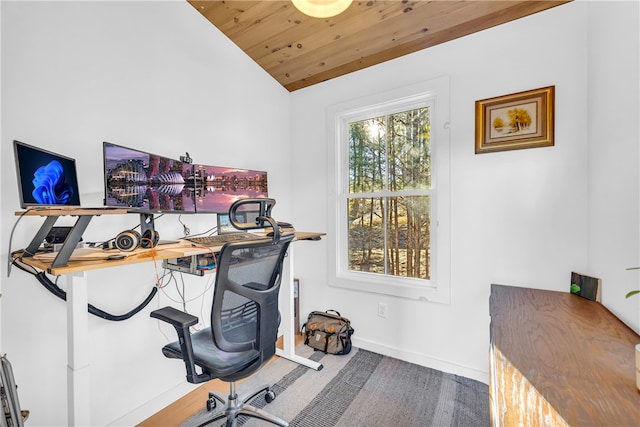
x: 245, y: 303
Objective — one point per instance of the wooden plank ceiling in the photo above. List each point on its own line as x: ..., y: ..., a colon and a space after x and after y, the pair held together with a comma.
x: 299, y: 51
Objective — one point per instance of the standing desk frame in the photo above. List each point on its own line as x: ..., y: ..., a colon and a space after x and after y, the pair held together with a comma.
x: 75, y: 274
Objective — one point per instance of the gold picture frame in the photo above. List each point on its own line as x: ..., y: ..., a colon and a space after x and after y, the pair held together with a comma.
x: 516, y: 121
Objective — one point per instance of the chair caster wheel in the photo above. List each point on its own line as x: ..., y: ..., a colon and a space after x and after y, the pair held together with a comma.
x: 211, y: 403
x: 269, y: 396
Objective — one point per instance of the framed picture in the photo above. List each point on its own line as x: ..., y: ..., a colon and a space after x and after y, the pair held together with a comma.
x: 516, y: 121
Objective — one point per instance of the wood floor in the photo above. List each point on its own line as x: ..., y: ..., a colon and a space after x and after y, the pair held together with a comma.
x: 183, y: 408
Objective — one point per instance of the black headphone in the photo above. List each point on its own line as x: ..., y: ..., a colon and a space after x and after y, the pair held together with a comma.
x: 150, y: 238
x: 130, y: 240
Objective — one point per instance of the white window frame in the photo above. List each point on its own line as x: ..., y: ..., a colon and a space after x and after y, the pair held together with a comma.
x: 434, y: 93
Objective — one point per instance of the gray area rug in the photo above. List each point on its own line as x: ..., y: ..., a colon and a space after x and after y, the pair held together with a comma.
x: 363, y: 389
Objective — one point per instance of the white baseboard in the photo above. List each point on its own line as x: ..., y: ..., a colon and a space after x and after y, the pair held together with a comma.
x: 422, y: 360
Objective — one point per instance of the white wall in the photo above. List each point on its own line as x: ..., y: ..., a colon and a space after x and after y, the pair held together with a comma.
x: 517, y: 218
x: 150, y: 75
x: 614, y: 150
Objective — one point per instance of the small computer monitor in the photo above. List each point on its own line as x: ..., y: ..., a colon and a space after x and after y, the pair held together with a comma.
x: 224, y: 221
x: 217, y: 187
x: 146, y: 182
x: 45, y: 179
x: 224, y: 224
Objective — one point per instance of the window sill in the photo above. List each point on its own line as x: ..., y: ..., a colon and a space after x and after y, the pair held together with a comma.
x: 401, y: 287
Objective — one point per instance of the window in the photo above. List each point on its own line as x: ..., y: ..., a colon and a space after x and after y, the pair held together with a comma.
x: 387, y: 201
x: 390, y: 189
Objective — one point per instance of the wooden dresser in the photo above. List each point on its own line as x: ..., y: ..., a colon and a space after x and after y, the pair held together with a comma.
x: 558, y: 359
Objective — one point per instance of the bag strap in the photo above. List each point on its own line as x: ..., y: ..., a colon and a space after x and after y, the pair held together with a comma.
x: 335, y: 311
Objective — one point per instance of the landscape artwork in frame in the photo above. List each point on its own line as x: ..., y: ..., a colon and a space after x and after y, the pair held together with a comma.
x: 516, y: 121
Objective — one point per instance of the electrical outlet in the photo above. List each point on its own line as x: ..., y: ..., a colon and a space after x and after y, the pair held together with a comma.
x: 382, y: 310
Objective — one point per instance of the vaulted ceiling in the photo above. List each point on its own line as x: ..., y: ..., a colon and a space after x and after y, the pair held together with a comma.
x: 299, y: 51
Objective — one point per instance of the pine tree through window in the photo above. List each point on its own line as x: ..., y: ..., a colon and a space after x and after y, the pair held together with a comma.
x: 388, y: 201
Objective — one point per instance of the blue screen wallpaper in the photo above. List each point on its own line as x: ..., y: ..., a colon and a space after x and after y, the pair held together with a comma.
x: 45, y: 178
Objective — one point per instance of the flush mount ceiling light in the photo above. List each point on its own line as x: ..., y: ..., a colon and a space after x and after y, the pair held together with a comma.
x: 321, y: 8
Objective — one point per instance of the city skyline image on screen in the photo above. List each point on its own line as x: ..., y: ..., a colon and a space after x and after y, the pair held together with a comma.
x: 217, y: 187
x: 146, y: 182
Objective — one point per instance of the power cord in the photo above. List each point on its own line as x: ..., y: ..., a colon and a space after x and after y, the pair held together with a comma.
x: 185, y: 229
x: 10, y: 255
x: 60, y: 293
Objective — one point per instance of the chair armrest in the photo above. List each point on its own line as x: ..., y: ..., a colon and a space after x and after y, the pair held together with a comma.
x: 182, y: 321
x: 175, y: 317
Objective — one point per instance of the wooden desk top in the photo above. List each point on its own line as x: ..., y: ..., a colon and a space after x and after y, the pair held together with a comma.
x: 93, y: 259
x: 567, y: 350
x: 72, y: 211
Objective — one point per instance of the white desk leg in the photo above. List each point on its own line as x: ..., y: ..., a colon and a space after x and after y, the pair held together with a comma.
x: 286, y: 311
x: 78, y: 372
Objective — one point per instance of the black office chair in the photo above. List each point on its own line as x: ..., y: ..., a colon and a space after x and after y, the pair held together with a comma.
x: 244, y: 325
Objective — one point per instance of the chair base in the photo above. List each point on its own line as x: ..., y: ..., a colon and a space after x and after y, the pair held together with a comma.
x: 234, y: 406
